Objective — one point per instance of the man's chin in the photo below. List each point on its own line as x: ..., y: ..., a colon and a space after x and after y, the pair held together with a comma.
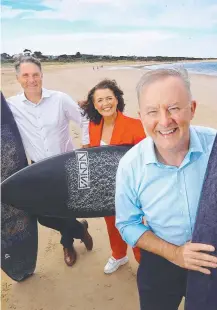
x: 33, y: 89
x: 166, y: 146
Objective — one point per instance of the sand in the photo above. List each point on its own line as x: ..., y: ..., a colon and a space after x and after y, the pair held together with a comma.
x: 54, y: 286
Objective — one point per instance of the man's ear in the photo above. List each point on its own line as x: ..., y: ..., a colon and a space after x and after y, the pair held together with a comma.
x: 193, y: 108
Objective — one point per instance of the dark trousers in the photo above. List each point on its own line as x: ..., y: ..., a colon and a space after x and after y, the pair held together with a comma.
x: 161, y: 284
x: 69, y: 228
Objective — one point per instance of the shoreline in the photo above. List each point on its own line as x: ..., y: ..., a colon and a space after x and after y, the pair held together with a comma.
x: 118, y: 62
x: 117, y: 65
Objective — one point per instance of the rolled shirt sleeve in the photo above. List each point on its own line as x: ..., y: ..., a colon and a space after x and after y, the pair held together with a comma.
x: 129, y: 215
x: 75, y: 114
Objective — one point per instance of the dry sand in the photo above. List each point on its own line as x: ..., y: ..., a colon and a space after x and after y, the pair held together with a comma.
x: 54, y: 286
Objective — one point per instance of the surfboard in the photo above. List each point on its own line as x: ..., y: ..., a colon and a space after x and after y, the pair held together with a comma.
x: 75, y: 184
x: 201, y: 288
x: 19, y: 236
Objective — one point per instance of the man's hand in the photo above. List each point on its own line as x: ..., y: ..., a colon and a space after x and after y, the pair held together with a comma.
x: 82, y: 103
x: 191, y: 256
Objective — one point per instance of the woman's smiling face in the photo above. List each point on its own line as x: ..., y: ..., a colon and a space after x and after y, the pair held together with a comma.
x: 105, y: 102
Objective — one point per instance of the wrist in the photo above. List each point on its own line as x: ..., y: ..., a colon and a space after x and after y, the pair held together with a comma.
x: 170, y: 252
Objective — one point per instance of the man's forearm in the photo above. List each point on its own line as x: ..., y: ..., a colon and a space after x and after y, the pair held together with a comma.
x: 150, y: 242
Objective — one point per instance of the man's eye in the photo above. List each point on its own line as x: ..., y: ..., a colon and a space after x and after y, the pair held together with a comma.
x: 152, y: 112
x: 174, y: 109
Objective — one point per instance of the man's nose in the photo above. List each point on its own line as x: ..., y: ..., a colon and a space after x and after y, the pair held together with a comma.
x: 31, y: 79
x: 165, y: 119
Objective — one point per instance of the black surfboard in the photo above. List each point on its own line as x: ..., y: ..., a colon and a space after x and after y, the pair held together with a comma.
x: 19, y: 236
x: 75, y: 184
x: 201, y: 288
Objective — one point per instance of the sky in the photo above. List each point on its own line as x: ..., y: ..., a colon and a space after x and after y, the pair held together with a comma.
x: 110, y: 27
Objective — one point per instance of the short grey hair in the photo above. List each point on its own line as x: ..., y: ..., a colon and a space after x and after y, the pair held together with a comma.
x: 157, y: 74
x: 26, y: 59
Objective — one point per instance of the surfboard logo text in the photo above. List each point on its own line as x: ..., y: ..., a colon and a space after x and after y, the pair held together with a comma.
x: 7, y: 256
x: 83, y: 170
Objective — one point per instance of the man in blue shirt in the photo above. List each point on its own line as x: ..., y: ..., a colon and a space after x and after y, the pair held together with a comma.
x: 161, y: 179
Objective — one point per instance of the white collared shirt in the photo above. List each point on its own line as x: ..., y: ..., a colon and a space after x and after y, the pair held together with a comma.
x: 44, y: 127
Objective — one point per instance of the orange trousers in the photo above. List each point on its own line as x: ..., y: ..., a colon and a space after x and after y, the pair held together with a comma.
x: 118, y: 245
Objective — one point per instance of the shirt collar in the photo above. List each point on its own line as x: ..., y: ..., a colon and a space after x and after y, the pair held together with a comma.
x: 195, y: 143
x: 195, y: 147
x: 45, y: 94
x: 149, y: 151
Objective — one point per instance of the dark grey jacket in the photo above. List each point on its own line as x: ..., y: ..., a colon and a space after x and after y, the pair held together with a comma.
x: 201, y: 288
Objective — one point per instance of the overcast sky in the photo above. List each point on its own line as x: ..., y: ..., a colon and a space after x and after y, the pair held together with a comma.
x: 111, y: 27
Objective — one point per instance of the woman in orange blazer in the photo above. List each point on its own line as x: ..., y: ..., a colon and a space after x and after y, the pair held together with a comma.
x: 108, y: 126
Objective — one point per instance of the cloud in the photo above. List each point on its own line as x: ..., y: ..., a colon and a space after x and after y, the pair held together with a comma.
x: 9, y: 13
x: 125, y: 13
x: 97, y: 43
x: 146, y: 43
x: 189, y: 16
x: 120, y: 27
x: 149, y: 13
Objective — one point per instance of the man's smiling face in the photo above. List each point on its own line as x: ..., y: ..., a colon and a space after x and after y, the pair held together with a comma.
x: 166, y: 111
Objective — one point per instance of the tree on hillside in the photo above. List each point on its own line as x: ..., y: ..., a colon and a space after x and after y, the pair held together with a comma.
x: 5, y: 56
x: 27, y: 52
x: 37, y: 54
x: 78, y: 55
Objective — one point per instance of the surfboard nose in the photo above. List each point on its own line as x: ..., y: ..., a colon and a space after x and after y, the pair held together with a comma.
x: 13, y: 191
x: 36, y: 189
x: 75, y: 184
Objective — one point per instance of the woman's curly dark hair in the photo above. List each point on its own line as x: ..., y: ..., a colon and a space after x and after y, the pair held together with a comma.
x: 89, y: 109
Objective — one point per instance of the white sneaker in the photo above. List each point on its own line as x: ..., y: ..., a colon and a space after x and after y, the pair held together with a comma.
x: 113, y: 264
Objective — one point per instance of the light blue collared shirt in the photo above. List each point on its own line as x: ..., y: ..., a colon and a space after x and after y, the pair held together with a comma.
x: 167, y: 196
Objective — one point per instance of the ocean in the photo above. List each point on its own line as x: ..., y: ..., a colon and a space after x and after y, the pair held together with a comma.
x: 208, y: 68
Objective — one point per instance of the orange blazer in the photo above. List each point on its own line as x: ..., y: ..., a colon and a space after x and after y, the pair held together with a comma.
x: 127, y: 130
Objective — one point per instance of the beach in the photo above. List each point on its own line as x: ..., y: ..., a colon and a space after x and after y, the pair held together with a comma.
x: 54, y: 286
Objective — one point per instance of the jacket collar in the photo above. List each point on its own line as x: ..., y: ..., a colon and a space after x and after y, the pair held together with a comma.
x: 96, y: 131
